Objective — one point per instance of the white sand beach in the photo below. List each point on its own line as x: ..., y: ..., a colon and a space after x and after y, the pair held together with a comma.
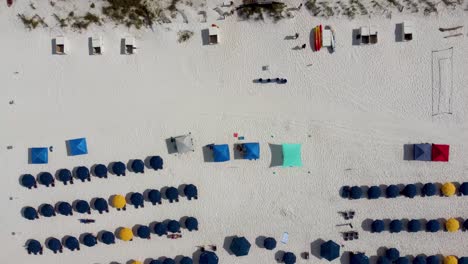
x: 352, y: 110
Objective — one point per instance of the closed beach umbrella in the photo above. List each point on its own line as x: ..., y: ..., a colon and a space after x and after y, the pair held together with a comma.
x: 34, y: 247
x: 383, y: 260
x: 355, y: 192
x: 160, y: 229
x: 156, y: 163
x: 137, y: 200
x: 82, y: 207
x: 359, y: 258
x: 191, y: 223
x: 186, y: 260
x: 172, y: 194
x: 54, y: 245
x: 101, y: 205
x: 429, y: 189
x: 126, y: 234
x: 392, y: 254
x: 330, y: 250
x: 47, y: 210
x: 154, y: 196
x: 46, y: 179
x: 30, y: 213
x: 118, y: 201
x: 432, y: 226
x: 144, y: 232
x: 100, y: 171
x: 402, y: 260
x: 89, y: 240
x: 168, y: 261
x: 410, y: 191
x: 448, y: 189
x: 463, y: 260
x: 289, y: 258
x: 65, y: 176
x: 378, y: 226
x: 414, y: 226
x: 72, y: 243
x: 138, y: 166
x: 452, y: 225
x: 240, y: 246
x: 419, y: 260
x: 269, y: 243
x: 64, y: 208
x: 396, y: 226
x: 450, y: 260
x: 392, y: 191
x: 191, y: 191
x: 119, y: 168
x: 464, y: 188
x: 82, y: 173
x: 208, y: 257
x: 28, y: 181
x: 173, y: 226
x: 433, y: 260
x: 107, y: 238
x: 374, y: 192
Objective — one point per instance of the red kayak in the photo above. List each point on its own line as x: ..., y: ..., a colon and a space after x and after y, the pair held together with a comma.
x: 9, y: 2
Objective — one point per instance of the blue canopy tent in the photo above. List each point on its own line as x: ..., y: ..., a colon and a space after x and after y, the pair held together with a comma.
x: 289, y: 258
x: 65, y: 176
x: 383, y: 260
x: 47, y: 210
x: 186, y: 260
x: 396, y: 226
x: 422, y: 152
x: 358, y: 258
x: 168, y: 261
x: 89, y: 240
x: 101, y: 205
x: 64, y: 208
x: 208, y: 257
x: 30, y: 213
x: 355, y: 192
x: 429, y: 189
x: 240, y: 246
x: 54, y: 245
x: 107, y: 238
x: 138, y: 166
x: 33, y: 246
x: 156, y: 163
x: 154, y: 196
x: 433, y: 260
x: 410, y: 191
x: 39, y: 155
x: 269, y: 243
x: 251, y: 151
x: 100, y: 170
x: 402, y: 260
x: 221, y: 153
x: 392, y: 254
x: 173, y: 226
x: 374, y: 192
x: 45, y: 178
x: 72, y: 243
x: 463, y: 188
x: 463, y: 260
x: 144, y: 232
x: 28, y: 181
x: 432, y: 226
x: 137, y: 199
x: 191, y: 191
x: 330, y: 250
x: 82, y: 206
x: 160, y: 229
x: 414, y: 225
x: 377, y: 226
x: 392, y: 191
x: 191, y: 223
x: 119, y: 168
x: 77, y: 146
x: 419, y: 260
x: 82, y: 173
x: 172, y: 194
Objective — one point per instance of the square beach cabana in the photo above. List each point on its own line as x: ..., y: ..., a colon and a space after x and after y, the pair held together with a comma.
x: 292, y: 155
x: 97, y: 45
x: 60, y: 45
x: 213, y: 35
x: 77, y: 146
x: 39, y: 155
x: 408, y: 29
x: 422, y: 152
x: 129, y: 45
x: 184, y: 143
x: 221, y: 153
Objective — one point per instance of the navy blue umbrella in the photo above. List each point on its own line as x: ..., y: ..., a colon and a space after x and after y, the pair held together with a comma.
x: 419, y: 260
x: 392, y: 191
x: 168, y: 261
x: 186, y: 260
x: 429, y: 189
x: 410, y: 191
x: 191, y: 223
x: 433, y: 260
x: 383, y: 260
x: 47, y: 210
x: 138, y: 166
x: 345, y: 192
x: 28, y: 181
x: 89, y: 240
x: 463, y: 188
x: 378, y: 226
x: 191, y: 191
x: 269, y: 243
x: 392, y: 254
x: 359, y: 258
x: 172, y: 194
x: 82, y: 173
x: 30, y: 213
x: 465, y: 224
x: 374, y: 192
x: 208, y: 257
x: 65, y: 176
x: 34, y: 247
x: 463, y: 260
x: 402, y: 260
x: 46, y: 179
x: 54, y: 245
x: 396, y: 226
x: 289, y: 258
x: 173, y: 226
x: 72, y: 243
x: 432, y: 226
x: 100, y: 170
x: 82, y: 207
x: 154, y: 196
x: 107, y: 238
x: 240, y: 246
x: 64, y: 208
x: 144, y: 232
x: 101, y: 205
x: 330, y: 250
x: 155, y: 261
x: 414, y: 226
x: 119, y: 168
x: 160, y: 229
x: 137, y: 200
x: 355, y: 192
x: 156, y: 163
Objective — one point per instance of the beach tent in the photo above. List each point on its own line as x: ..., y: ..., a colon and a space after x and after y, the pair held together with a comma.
x: 289, y: 258
x: 129, y: 45
x: 402, y: 260
x: 89, y: 240
x: 355, y: 192
x: 191, y: 191
x: 269, y: 243
x: 378, y: 226
x: 33, y: 246
x: 100, y: 170
x: 45, y: 178
x: 77, y: 146
x: 100, y: 204
x: 440, y: 152
x: 144, y: 232
x: 392, y: 254
x: 329, y: 250
x: 374, y: 192
x: 392, y: 191
x: 292, y: 155
x: 65, y: 176
x: 448, y: 189
x: 156, y: 163
x: 251, y: 151
x: 107, y: 238
x: 452, y: 225
x: 463, y: 260
x: 414, y: 225
x: 72, y: 243
x: 173, y: 226
x: 39, y: 155
x: 54, y: 245
x: 61, y: 46
x: 432, y: 226
x: 154, y: 196
x: 47, y: 210
x: 208, y: 257
x: 191, y: 223
x: 119, y: 168
x: 138, y: 166
x: 137, y: 199
x: 396, y: 226
x: 64, y: 208
x: 422, y: 152
x: 383, y: 260
x: 213, y: 35
x: 221, y: 153
x: 186, y: 260
x: 433, y: 260
x: 408, y: 30
x: 358, y: 258
x: 82, y: 207
x: 450, y: 260
x: 118, y: 201
x: 82, y: 173
x: 30, y: 213
x: 240, y: 246
x: 419, y: 260
x: 464, y: 188
x: 429, y: 189
x: 126, y: 234
x: 168, y: 261
x: 410, y: 190
x: 172, y: 194
x: 184, y: 143
x: 97, y: 44
x: 160, y: 229
x: 28, y: 181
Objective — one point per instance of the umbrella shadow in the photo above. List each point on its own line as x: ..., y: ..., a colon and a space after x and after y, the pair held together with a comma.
x: 259, y: 241
x: 182, y: 222
x: 171, y: 146
x: 408, y: 152
x: 180, y: 189
x: 129, y: 165
x: 227, y: 244
x: 366, y: 225
x: 344, y: 259
x: 315, y: 248
x: 208, y: 153
x: 279, y: 256
x: 276, y: 155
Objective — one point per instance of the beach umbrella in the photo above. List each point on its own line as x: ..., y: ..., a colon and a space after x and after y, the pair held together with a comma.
x: 251, y: 151
x: 168, y: 261
x: 452, y: 225
x: 101, y: 205
x: 191, y: 223
x: 463, y: 260
x: 47, y: 210
x: 82, y: 207
x: 221, y: 153
x: 65, y: 208
x: 89, y: 240
x: 65, y: 176
x: 392, y: 254
x: 118, y: 201
x: 136, y: 262
x: 28, y: 181
x: 72, y: 243
x: 154, y: 196
x: 429, y: 189
x: 355, y: 192
x: 137, y: 199
x: 144, y: 232
x: 160, y: 229
x: 46, y: 179
x: 240, y: 246
x: 414, y: 226
x: 155, y: 261
x: 269, y: 243
x: 156, y: 162
x: 172, y: 194
x: 392, y: 191
x: 450, y: 260
x: 191, y: 191
x: 186, y: 260
x: 173, y: 226
x: 54, y: 245
x: 107, y: 238
x: 410, y: 190
x: 402, y: 260
x: 82, y: 173
x: 433, y: 260
x: 432, y: 226
x: 289, y: 258
x: 119, y: 168
x: 419, y: 260
x: 30, y: 213
x: 396, y: 226
x: 345, y: 192
x: 138, y: 166
x: 465, y: 224
x: 126, y: 234
x: 208, y: 257
x: 100, y: 171
x: 374, y: 192
x: 440, y: 152
x: 359, y: 258
x: 464, y: 188
x: 383, y: 260
x: 329, y: 250
x: 77, y: 146
x: 378, y: 226
x: 39, y: 155
x: 448, y: 189
x: 34, y: 247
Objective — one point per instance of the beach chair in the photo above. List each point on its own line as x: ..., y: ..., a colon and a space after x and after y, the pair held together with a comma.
x: 407, y: 31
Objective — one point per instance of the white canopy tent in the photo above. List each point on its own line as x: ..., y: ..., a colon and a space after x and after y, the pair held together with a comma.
x: 184, y: 143
x: 97, y: 45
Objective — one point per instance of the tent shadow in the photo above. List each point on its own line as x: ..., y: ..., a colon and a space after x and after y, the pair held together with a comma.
x: 207, y: 153
x: 68, y: 148
x: 171, y: 146
x: 355, y: 37
x: 227, y: 244
x: 315, y: 248
x: 399, y: 32
x: 276, y: 155
x: 30, y: 156
x: 408, y: 152
x: 205, y: 36
x: 236, y: 151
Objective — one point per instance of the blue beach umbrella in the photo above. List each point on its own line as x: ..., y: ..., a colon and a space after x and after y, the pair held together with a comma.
x: 429, y: 189
x: 392, y: 254
x: 101, y: 205
x: 433, y: 260
x: 359, y: 258
x: 191, y: 191
x: 156, y: 163
x: 463, y: 260
x: 28, y: 181
x: 30, y: 213
x: 100, y: 170
x: 119, y: 168
x: 65, y: 176
x: 89, y: 240
x: 82, y: 207
x: 463, y: 188
x: 402, y: 260
x: 107, y: 238
x: 82, y: 173
x: 173, y: 226
x: 330, y: 250
x: 345, y: 192
x: 154, y: 196
x: 414, y: 225
x: 64, y: 208
x: 396, y: 226
x: 172, y: 194
x: 155, y: 261
x: 168, y: 261
x: 465, y: 224
x: 46, y: 179
x: 34, y: 247
x: 240, y: 246
x: 419, y: 260
x: 72, y: 243
x: 374, y: 192
x: 410, y: 191
x: 47, y: 210
x: 289, y: 258
x: 392, y: 191
x: 208, y: 257
x: 186, y: 260
x: 160, y: 229
x: 378, y: 226
x: 191, y: 223
x: 144, y: 232
x: 137, y: 199
x: 383, y: 260
x: 54, y: 245
x: 355, y: 192
x: 269, y: 243
x: 432, y: 226
x: 138, y: 166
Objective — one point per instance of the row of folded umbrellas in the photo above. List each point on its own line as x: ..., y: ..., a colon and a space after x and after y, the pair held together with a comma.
x: 117, y: 201
x: 106, y: 237
x: 84, y: 173
x: 206, y: 257
x: 409, y: 190
x: 415, y: 225
x: 392, y: 255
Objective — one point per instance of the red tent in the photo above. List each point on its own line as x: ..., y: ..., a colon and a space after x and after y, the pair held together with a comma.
x: 440, y: 152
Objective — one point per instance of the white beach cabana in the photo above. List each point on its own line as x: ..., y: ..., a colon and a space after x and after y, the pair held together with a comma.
x: 368, y: 35
x: 130, y: 45
x: 61, y: 45
x: 97, y: 45
x: 407, y: 32
x: 213, y: 35
x: 327, y: 38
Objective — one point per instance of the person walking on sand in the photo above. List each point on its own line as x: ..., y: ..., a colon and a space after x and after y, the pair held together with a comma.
x: 299, y: 7
x: 296, y: 35
x: 303, y: 46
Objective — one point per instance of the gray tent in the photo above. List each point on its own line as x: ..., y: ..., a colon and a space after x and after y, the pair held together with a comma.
x: 184, y: 143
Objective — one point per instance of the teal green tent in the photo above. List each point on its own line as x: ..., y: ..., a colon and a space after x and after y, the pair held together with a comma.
x: 292, y: 155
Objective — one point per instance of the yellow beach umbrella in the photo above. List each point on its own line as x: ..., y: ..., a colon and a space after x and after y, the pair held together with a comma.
x: 448, y: 189
x: 119, y: 201
x: 452, y: 225
x: 136, y: 262
x: 450, y: 260
x: 126, y: 234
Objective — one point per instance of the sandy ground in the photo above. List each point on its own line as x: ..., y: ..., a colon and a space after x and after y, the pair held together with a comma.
x: 352, y: 110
